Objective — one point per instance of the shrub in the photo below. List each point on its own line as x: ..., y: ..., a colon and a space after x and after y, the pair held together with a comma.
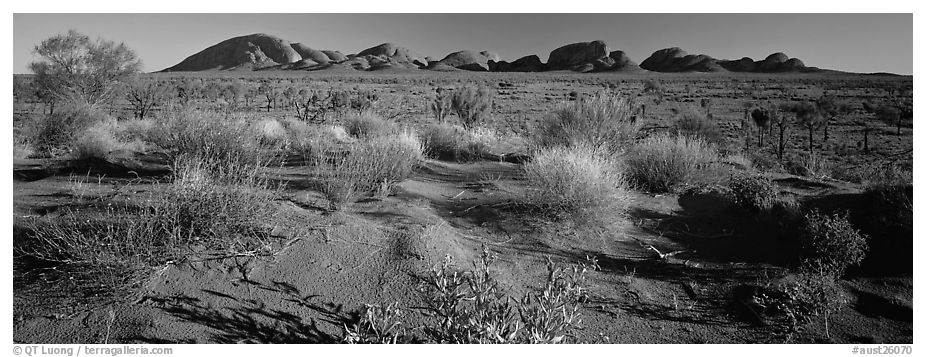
x: 100, y: 139
x: 113, y: 250
x: 809, y: 165
x: 440, y: 104
x: 472, y: 104
x: 602, y: 121
x: 471, y: 308
x: 694, y: 124
x: 219, y: 202
x: 804, y: 297
x: 53, y: 134
x: 449, y: 142
x: 370, y: 167
x: 753, y: 193
x: 368, y: 124
x: 205, y: 134
x: 663, y: 162
x: 313, y: 142
x: 22, y: 149
x: 270, y: 132
x: 577, y: 181
x: 829, y: 244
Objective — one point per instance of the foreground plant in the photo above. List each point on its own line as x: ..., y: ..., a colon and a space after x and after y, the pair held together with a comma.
x: 577, y: 181
x: 470, y: 307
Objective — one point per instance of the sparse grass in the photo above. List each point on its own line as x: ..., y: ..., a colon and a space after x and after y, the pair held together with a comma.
x: 370, y: 167
x: 809, y: 165
x: 694, y: 124
x: 662, y: 163
x: 575, y: 180
x: 602, y: 121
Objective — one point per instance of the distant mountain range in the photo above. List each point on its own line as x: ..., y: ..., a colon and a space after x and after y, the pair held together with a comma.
x: 267, y: 52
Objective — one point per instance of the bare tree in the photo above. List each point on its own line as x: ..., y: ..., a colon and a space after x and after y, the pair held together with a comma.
x: 831, y: 108
x: 144, y: 95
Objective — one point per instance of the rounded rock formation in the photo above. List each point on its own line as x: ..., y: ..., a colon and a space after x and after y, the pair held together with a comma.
x: 396, y: 54
x: 468, y: 60
x: 307, y: 52
x: 257, y: 50
x: 577, y: 56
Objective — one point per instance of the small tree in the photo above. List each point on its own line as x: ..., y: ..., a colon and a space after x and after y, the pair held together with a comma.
x: 782, y: 122
x: 831, y: 108
x: 74, y: 67
x: 892, y: 114
x: 144, y: 95
x: 269, y: 92
x: 440, y: 104
x: 761, y: 117
x: 809, y: 117
x: 744, y: 124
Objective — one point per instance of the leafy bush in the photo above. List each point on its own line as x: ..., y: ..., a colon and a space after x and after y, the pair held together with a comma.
x: 663, y: 162
x: 804, y: 297
x: 602, y: 121
x: 472, y: 104
x: 368, y: 124
x: 370, y: 167
x: 577, y: 181
x: 470, y: 307
x: 694, y: 124
x: 829, y: 244
x: 753, y: 193
x: 449, y: 142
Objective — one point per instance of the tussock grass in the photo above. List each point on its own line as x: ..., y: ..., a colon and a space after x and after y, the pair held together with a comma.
x: 601, y: 121
x: 694, y: 124
x: 368, y: 124
x: 450, y: 142
x: 577, y: 181
x: 220, y: 203
x: 370, y: 167
x: 205, y: 134
x: 211, y: 203
x: 663, y: 163
x: 102, y: 138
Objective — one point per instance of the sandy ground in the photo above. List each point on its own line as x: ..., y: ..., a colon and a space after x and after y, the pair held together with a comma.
x: 376, y: 251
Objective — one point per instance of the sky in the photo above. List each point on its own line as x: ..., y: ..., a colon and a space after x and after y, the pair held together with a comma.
x: 849, y: 42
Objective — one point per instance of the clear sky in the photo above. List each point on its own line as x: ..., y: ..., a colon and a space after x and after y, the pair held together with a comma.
x: 848, y: 42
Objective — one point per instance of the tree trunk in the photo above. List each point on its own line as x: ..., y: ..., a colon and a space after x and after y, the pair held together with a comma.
x: 826, y: 131
x: 781, y: 142
x: 810, y: 136
x: 866, y: 139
